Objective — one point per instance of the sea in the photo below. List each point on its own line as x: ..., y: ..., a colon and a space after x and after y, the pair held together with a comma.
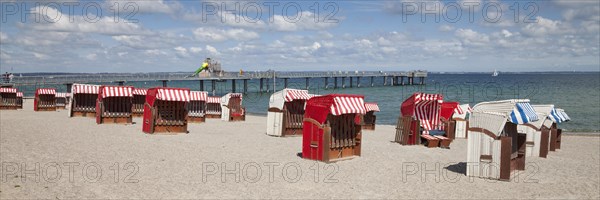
x: 577, y: 93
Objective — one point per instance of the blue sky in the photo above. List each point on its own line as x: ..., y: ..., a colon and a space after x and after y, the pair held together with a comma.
x: 321, y: 35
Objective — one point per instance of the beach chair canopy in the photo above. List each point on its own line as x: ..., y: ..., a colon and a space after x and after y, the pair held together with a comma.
x: 19, y: 94
x: 466, y: 110
x: 318, y: 108
x: 213, y: 100
x: 287, y: 95
x: 61, y: 95
x: 8, y: 90
x: 46, y: 91
x: 449, y: 109
x: 225, y: 99
x: 425, y: 108
x: 559, y: 116
x: 167, y: 94
x: 198, y: 96
x: 85, y: 89
x: 492, y: 123
x: 116, y: 91
x: 371, y: 106
x: 140, y: 91
x: 543, y: 112
x: 518, y: 111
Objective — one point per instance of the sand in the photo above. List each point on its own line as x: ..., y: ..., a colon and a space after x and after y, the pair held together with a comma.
x: 76, y: 158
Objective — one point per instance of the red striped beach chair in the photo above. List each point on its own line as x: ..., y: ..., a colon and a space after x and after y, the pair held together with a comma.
x: 213, y: 107
x: 165, y: 110
x: 197, y: 106
x: 331, y: 129
x: 286, y: 112
x: 83, y: 100
x: 45, y: 99
x: 368, y: 120
x: 231, y: 106
x: 114, y: 105
x: 19, y: 104
x: 139, y: 98
x: 8, y: 98
x: 61, y: 100
x: 420, y: 116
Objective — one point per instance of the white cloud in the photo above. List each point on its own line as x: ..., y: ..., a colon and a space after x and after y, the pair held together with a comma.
x: 208, y: 34
x: 195, y: 49
x: 3, y: 37
x: 305, y: 20
x: 470, y: 37
x: 446, y: 28
x: 54, y: 20
x: 145, y: 6
x: 546, y: 27
x: 212, y: 50
x: 91, y: 56
x: 506, y: 33
x: 181, y: 52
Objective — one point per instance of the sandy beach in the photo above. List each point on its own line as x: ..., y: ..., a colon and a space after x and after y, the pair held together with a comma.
x: 49, y: 155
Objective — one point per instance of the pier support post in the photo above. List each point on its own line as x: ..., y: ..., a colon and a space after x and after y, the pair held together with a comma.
x: 267, y: 84
x: 358, y: 81
x: 233, y: 85
x: 213, y: 86
x: 245, y: 86
x: 410, y: 80
x: 343, y: 82
x: 402, y: 80
x: 335, y: 82
x: 421, y: 80
x: 351, y: 82
x: 285, y: 83
x: 261, y: 85
x: 372, y: 78
x: 394, y: 80
x: 384, y: 80
x: 326, y: 82
x: 69, y: 87
x: 164, y: 82
x: 307, y: 83
x: 201, y: 85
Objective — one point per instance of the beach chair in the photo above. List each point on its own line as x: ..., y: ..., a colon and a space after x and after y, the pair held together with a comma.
x: 45, y: 99
x: 165, y: 111
x: 538, y: 132
x: 494, y: 147
x: 197, y: 107
x: 420, y: 116
x: 368, y: 120
x: 139, y: 98
x: 114, y: 105
x: 83, y: 100
x: 331, y: 128
x: 8, y: 98
x: 213, y: 107
x: 557, y: 117
x: 231, y: 106
x: 454, y: 117
x: 61, y: 100
x: 286, y: 112
x: 19, y: 104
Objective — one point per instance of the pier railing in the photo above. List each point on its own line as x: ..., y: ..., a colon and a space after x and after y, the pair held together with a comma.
x: 130, y: 77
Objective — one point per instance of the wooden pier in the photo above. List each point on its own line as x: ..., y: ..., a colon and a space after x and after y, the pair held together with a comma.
x: 265, y: 78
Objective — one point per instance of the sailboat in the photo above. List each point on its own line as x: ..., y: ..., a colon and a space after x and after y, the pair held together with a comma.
x: 495, y: 73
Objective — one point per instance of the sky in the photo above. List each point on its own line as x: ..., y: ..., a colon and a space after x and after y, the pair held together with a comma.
x: 167, y: 36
